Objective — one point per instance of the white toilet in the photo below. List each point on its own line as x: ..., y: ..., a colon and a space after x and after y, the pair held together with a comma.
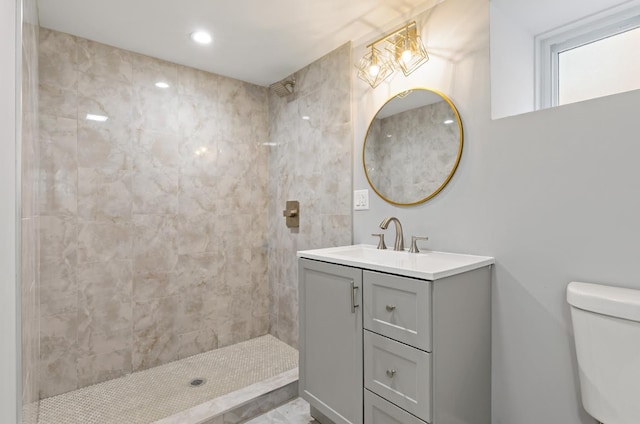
x: 606, y: 326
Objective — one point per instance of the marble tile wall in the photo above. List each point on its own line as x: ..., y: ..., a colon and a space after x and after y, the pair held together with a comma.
x: 153, y: 223
x: 30, y: 215
x: 310, y: 161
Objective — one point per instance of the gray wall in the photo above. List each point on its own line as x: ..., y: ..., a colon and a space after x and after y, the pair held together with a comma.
x: 553, y: 195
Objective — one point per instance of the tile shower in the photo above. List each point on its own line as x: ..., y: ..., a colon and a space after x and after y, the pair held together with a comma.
x: 161, y: 234
x: 153, y: 238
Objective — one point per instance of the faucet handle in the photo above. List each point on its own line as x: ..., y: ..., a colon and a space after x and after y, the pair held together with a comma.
x: 381, y: 244
x: 414, y: 245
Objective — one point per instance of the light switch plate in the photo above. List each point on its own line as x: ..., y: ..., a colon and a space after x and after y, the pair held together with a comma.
x: 361, y: 200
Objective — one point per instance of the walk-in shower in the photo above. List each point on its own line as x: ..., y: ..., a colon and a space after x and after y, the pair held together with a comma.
x: 161, y: 266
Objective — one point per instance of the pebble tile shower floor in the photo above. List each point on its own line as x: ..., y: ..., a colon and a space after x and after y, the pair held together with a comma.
x: 147, y: 396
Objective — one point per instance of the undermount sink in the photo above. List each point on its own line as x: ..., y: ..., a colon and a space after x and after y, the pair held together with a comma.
x: 427, y: 264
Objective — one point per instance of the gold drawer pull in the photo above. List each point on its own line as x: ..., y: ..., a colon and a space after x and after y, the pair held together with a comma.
x: 390, y: 308
x: 391, y: 373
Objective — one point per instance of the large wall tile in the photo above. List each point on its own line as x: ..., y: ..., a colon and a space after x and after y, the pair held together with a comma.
x: 196, y: 82
x: 155, y: 109
x: 151, y: 351
x: 309, y: 161
x: 104, y: 296
x: 196, y: 342
x: 105, y: 145
x: 155, y: 191
x: 58, y: 354
x: 100, y: 95
x: 58, y: 253
x: 106, y: 61
x: 153, y: 149
x: 93, y: 369
x: 148, y: 70
x: 58, y: 59
x: 153, y: 218
x: 101, y: 241
x: 155, y: 245
x: 58, y: 101
x: 58, y: 165
x: 58, y: 373
x: 104, y: 195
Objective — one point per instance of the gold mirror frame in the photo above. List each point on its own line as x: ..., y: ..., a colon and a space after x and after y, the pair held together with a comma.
x: 453, y: 168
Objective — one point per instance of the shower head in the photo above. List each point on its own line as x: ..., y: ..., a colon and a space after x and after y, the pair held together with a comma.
x: 283, y: 88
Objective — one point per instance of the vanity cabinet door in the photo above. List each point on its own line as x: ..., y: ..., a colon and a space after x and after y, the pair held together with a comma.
x: 330, y: 317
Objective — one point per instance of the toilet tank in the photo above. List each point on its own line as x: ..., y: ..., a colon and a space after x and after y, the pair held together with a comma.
x: 606, y: 327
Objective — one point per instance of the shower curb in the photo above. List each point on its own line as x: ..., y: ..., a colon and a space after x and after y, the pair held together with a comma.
x: 241, y: 405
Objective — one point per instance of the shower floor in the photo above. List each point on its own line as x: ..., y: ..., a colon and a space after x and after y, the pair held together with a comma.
x: 148, y: 396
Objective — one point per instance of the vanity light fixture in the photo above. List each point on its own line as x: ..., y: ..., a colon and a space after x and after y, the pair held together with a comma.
x: 403, y: 50
x: 97, y: 118
x: 306, y: 118
x: 201, y: 37
x: 162, y: 84
x: 374, y: 67
x: 448, y: 121
x: 407, y: 49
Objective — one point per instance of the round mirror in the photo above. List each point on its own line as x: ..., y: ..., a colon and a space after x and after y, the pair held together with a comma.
x: 412, y: 147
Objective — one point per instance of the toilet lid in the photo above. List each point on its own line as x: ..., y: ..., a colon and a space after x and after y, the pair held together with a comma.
x: 617, y: 302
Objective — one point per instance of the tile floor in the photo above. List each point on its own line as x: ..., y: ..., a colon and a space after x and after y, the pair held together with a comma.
x: 293, y: 412
x: 150, y: 395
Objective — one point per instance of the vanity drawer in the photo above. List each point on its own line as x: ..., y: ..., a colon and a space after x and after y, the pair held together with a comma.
x: 398, y: 307
x: 398, y: 373
x: 379, y: 411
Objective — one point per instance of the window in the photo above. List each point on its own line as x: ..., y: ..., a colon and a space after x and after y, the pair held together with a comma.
x: 591, y: 58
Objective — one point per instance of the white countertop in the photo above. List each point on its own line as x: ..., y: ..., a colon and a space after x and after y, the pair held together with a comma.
x: 427, y: 264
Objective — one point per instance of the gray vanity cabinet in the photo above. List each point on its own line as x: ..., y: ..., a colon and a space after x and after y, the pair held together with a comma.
x: 412, y: 351
x: 330, y: 319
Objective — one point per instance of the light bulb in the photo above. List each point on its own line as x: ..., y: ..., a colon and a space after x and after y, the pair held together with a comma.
x: 406, y: 56
x: 374, y: 70
x: 97, y: 118
x: 201, y: 37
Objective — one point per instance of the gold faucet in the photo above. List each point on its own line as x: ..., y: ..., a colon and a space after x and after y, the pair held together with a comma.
x: 399, y: 243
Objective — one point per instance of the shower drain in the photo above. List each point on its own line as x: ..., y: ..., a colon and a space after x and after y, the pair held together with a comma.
x: 197, y: 382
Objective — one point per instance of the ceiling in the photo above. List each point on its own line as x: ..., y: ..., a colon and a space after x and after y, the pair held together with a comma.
x: 540, y: 16
x: 259, y: 41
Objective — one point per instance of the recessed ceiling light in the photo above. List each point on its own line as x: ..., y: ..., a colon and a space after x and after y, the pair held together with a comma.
x: 99, y: 118
x: 306, y: 117
x: 201, y: 37
x: 162, y: 84
x: 448, y: 121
